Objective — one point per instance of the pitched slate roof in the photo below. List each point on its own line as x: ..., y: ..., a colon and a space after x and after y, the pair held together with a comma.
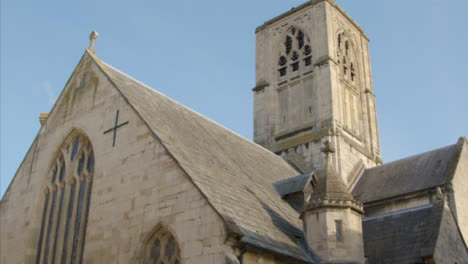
x: 292, y: 185
x: 402, y: 237
x: 235, y: 174
x: 404, y: 176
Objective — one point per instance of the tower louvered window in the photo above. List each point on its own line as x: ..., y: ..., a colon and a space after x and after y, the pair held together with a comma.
x: 295, y: 53
x: 347, y: 63
x: 346, y: 57
x: 66, y: 203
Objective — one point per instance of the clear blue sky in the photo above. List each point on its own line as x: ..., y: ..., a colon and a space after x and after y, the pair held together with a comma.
x: 202, y: 53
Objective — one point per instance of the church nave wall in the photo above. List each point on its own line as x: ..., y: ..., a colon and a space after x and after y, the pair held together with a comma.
x: 137, y: 185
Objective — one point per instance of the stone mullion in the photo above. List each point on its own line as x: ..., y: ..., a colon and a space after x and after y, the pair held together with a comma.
x: 68, y: 254
x: 78, y: 220
x: 62, y: 220
x: 72, y: 222
x: 65, y: 241
x: 84, y: 215
x: 50, y: 225
x: 345, y: 106
x: 57, y: 221
x: 361, y: 115
x: 44, y: 241
x: 351, y: 111
x: 43, y: 221
x: 354, y: 111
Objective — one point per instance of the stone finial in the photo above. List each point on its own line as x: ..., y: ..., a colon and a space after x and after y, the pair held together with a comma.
x: 92, y: 37
x: 43, y: 118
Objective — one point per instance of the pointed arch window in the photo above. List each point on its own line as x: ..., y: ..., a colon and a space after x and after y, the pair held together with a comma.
x: 295, y: 53
x: 66, y: 203
x: 162, y: 248
x: 346, y: 58
x: 348, y: 72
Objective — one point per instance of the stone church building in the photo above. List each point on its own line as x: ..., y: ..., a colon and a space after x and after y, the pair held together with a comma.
x: 120, y: 173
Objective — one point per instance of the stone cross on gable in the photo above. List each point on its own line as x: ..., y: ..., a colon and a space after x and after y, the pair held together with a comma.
x: 115, y: 127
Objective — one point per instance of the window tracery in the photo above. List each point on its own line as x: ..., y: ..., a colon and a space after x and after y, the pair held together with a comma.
x: 295, y: 53
x: 64, y: 216
x: 348, y: 76
x: 345, y: 58
x: 162, y: 248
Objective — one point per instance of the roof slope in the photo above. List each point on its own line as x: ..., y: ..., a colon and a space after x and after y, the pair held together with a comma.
x: 410, y: 235
x: 404, y: 237
x: 292, y: 185
x: 404, y: 176
x: 235, y: 174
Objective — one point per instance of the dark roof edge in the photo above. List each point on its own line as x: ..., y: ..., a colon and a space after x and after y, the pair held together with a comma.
x: 306, y: 4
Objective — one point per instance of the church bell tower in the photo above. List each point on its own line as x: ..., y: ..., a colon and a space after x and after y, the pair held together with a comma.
x: 314, y: 84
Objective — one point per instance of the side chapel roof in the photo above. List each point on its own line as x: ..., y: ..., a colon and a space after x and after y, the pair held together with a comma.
x: 412, y: 174
x: 235, y: 174
x: 414, y: 231
x: 411, y: 235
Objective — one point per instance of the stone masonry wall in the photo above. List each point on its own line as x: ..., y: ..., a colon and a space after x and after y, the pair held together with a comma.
x: 450, y: 247
x: 460, y: 188
x: 137, y: 185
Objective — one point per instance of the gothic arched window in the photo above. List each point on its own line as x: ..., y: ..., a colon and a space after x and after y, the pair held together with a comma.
x: 346, y: 58
x: 162, y: 248
x: 295, y: 52
x: 347, y: 62
x: 66, y: 204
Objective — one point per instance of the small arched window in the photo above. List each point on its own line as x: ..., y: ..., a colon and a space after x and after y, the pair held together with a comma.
x: 66, y: 203
x: 295, y: 52
x: 162, y: 248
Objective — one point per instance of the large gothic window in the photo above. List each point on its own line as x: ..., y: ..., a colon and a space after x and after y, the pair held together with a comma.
x: 346, y: 58
x: 295, y: 53
x: 162, y: 248
x: 66, y: 203
x: 349, y: 81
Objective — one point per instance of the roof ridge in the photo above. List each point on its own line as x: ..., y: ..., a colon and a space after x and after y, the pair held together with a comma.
x: 411, y: 157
